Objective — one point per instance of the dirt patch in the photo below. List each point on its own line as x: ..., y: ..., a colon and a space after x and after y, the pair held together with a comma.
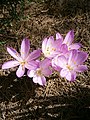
x: 20, y: 98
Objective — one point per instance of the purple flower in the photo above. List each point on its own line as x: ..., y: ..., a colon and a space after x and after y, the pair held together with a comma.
x: 25, y: 60
x: 43, y: 70
x: 71, y: 65
x: 50, y: 48
x: 69, y: 41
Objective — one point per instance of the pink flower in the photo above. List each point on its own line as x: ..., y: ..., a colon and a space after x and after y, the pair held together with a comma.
x: 50, y: 48
x: 25, y: 60
x: 43, y: 70
x: 69, y: 41
x: 73, y: 64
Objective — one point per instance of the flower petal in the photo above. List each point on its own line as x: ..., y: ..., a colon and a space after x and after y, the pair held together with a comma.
x: 45, y: 63
x: 62, y: 61
x: 10, y: 64
x: 14, y: 53
x: 75, y: 46
x: 34, y: 55
x: 40, y: 80
x: 72, y: 57
x: 63, y: 49
x: 50, y: 41
x: 81, y: 68
x: 44, y: 44
x: 25, y: 47
x: 20, y: 72
x: 54, y: 62
x: 31, y: 65
x: 69, y: 38
x: 46, y: 72
x: 71, y: 76
x: 58, y: 36
x: 82, y: 56
x: 63, y: 72
x: 31, y: 73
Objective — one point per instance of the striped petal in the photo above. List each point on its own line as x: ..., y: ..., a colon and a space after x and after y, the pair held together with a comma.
x: 25, y: 47
x: 14, y: 53
x: 34, y: 55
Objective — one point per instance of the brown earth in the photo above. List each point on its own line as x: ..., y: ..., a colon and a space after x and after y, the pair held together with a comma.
x: 20, y: 98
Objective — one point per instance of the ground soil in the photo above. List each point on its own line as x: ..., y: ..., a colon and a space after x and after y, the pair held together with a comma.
x: 20, y: 98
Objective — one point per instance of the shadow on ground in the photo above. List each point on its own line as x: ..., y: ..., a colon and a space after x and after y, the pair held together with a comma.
x: 19, y: 102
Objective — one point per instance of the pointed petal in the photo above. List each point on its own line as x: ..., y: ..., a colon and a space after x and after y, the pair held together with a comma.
x: 58, y: 36
x: 50, y: 41
x: 44, y: 44
x: 14, y: 53
x: 25, y: 47
x: 69, y: 38
x: 10, y: 64
x: 81, y: 68
x: 72, y: 57
x: 31, y: 65
x: 82, y: 56
x: 31, y: 73
x: 75, y: 46
x: 34, y: 55
x: 20, y: 72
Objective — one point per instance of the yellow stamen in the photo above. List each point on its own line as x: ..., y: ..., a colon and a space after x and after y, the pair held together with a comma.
x: 69, y: 67
x: 53, y: 49
x: 39, y: 72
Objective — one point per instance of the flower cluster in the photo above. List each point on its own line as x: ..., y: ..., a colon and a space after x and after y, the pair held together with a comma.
x: 61, y: 55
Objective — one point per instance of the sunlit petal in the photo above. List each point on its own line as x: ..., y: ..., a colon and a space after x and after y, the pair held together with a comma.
x: 31, y: 65
x: 69, y: 38
x: 31, y: 73
x: 81, y: 68
x: 10, y: 64
x: 34, y: 55
x: 14, y: 53
x: 40, y: 80
x: 82, y: 56
x: 62, y: 61
x: 58, y: 36
x: 25, y: 47
x: 44, y: 44
x: 71, y: 76
x: 20, y: 72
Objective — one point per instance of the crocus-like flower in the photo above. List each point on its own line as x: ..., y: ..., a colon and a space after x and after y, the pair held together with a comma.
x: 69, y: 41
x: 43, y: 70
x: 25, y: 60
x: 73, y: 64
x: 50, y: 48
